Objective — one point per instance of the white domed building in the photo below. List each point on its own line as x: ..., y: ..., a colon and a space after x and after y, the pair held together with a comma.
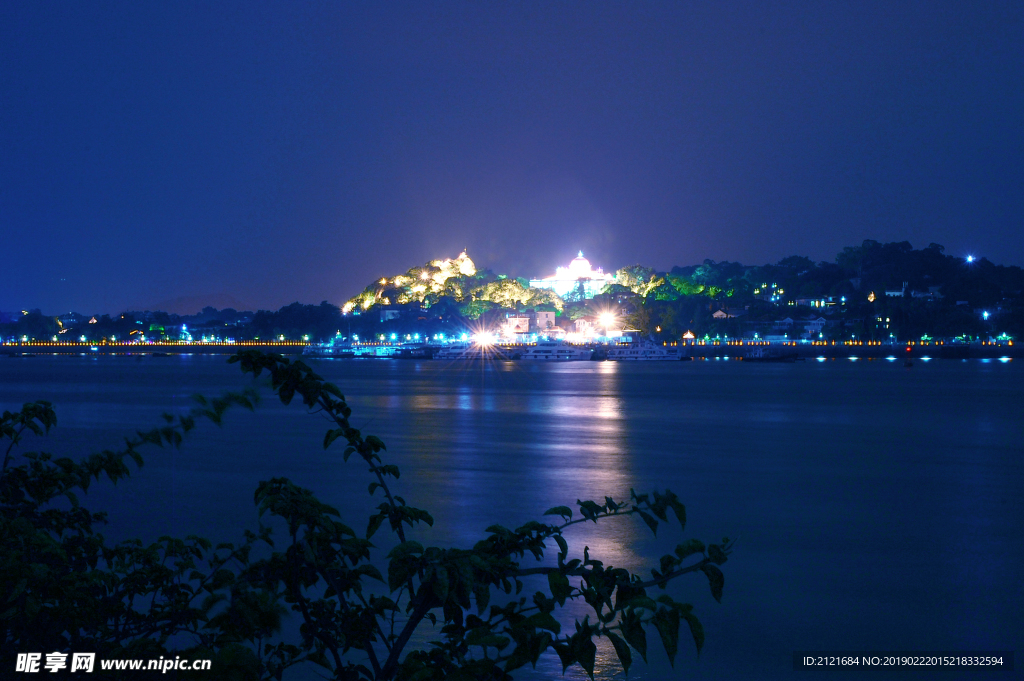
x: 566, y: 279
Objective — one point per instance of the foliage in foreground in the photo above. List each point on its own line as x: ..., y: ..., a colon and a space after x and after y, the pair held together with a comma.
x: 63, y: 588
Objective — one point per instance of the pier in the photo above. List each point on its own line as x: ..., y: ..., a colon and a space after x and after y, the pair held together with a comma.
x: 157, y: 349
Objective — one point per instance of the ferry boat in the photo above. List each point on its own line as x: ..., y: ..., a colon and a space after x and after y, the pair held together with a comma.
x: 416, y: 351
x: 453, y: 351
x: 329, y: 349
x: 558, y: 351
x: 346, y: 350
x: 475, y: 351
x: 644, y: 351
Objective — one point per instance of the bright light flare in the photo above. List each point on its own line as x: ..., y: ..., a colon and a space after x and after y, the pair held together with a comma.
x: 484, y: 338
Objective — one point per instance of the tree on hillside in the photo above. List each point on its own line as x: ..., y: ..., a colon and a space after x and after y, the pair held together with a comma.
x: 640, y: 319
x: 505, y: 292
x: 684, y: 285
x: 318, y: 322
x: 634, y: 277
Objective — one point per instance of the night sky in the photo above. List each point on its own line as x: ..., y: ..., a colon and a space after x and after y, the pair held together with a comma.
x: 296, y: 151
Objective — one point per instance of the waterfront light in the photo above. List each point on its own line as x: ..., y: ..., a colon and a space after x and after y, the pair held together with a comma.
x: 484, y: 338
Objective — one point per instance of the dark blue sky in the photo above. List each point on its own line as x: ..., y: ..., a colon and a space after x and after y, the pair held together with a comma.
x: 296, y: 151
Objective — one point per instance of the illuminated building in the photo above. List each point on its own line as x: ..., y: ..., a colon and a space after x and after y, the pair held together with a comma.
x: 579, y: 272
x: 516, y: 325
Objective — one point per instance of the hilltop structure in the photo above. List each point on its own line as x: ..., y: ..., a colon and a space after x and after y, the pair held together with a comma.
x: 578, y: 274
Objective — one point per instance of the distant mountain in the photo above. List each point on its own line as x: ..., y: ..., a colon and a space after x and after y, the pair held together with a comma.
x: 190, y: 305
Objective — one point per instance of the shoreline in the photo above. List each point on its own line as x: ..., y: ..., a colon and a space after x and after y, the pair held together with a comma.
x: 696, y: 350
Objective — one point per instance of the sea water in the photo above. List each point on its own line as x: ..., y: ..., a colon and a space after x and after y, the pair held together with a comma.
x: 873, y: 506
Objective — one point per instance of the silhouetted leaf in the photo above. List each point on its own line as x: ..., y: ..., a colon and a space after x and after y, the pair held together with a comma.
x: 651, y: 522
x: 696, y: 629
x: 622, y: 650
x: 543, y: 620
x: 563, y: 511
x: 633, y: 631
x: 667, y: 624
x: 559, y: 585
x: 562, y: 546
x: 331, y: 436
x: 374, y: 524
x: 679, y: 510
x: 716, y: 579
x: 586, y: 653
x: 565, y: 654
x: 689, y: 547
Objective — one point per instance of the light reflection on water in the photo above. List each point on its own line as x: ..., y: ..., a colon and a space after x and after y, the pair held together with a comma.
x: 876, y: 507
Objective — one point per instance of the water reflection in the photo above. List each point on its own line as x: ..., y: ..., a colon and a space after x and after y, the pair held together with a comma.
x: 587, y: 458
x: 512, y: 442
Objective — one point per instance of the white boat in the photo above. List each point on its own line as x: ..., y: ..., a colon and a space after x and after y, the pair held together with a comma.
x: 558, y: 351
x: 453, y: 351
x: 346, y: 349
x: 474, y: 351
x: 644, y: 351
x: 332, y: 348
